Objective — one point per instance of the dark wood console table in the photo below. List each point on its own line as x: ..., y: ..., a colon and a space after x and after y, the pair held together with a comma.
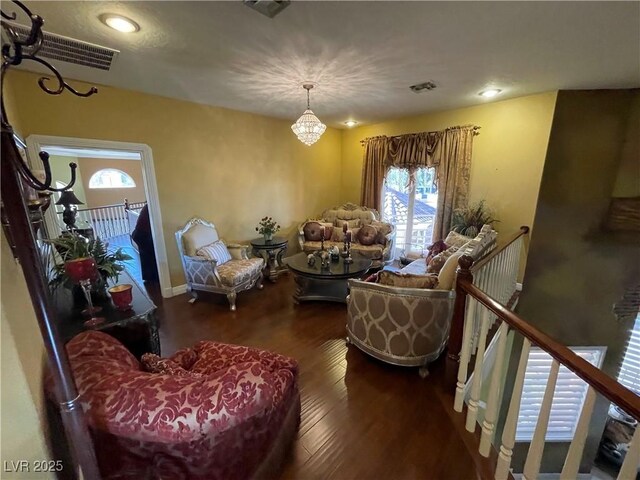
x: 136, y: 328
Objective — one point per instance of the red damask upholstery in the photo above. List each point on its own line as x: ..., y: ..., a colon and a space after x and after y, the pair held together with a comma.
x: 221, y: 424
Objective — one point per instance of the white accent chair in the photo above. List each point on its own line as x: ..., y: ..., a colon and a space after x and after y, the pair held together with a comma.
x: 238, y: 274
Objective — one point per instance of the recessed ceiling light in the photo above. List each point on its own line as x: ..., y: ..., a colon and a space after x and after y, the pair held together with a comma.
x: 350, y: 123
x: 119, y: 23
x: 492, y: 92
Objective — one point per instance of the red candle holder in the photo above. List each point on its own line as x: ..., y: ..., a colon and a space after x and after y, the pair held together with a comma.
x: 83, y: 271
x: 122, y: 296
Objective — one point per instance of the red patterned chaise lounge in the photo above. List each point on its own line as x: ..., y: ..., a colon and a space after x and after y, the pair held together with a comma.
x: 224, y: 411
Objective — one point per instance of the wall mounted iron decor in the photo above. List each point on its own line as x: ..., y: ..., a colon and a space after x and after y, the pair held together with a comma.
x: 14, y: 172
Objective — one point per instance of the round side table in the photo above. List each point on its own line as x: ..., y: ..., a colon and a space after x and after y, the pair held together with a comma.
x: 271, y: 251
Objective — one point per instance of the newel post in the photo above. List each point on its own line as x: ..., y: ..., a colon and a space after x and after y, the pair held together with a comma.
x: 464, y: 275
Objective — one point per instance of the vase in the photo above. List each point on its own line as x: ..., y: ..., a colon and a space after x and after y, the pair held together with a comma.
x: 268, y: 237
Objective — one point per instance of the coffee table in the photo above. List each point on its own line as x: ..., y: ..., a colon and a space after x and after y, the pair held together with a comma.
x: 329, y: 284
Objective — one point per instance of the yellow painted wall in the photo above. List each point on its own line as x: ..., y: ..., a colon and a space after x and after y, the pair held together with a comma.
x: 230, y: 167
x: 508, y: 155
x: 22, y: 350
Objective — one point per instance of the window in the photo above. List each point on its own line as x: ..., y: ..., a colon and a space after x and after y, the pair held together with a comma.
x: 568, y: 397
x: 111, y: 178
x: 409, y: 202
x: 629, y: 375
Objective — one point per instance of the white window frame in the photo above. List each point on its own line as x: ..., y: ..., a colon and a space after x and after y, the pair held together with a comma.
x: 570, y: 389
x: 104, y: 187
x: 408, y: 245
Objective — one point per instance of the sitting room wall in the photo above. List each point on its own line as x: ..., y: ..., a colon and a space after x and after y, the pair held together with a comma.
x: 229, y: 167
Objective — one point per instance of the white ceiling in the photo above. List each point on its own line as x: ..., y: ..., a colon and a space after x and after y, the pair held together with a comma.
x: 363, y: 56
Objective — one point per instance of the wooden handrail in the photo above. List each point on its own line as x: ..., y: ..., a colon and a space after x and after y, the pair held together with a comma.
x: 502, y: 245
x: 467, y: 268
x: 600, y: 381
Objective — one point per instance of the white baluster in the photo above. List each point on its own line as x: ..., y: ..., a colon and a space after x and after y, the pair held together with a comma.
x: 572, y: 462
x: 491, y: 413
x: 536, y: 448
x: 465, y: 354
x: 509, y: 432
x: 476, y: 386
x: 632, y: 459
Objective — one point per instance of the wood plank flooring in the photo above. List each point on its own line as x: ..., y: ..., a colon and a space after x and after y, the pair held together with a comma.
x: 361, y: 419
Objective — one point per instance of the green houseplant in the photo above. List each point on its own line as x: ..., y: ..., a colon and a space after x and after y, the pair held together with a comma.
x: 72, y: 246
x: 469, y: 220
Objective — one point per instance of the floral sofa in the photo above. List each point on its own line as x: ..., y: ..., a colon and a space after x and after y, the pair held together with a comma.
x: 370, y: 237
x: 214, y: 411
x: 404, y: 318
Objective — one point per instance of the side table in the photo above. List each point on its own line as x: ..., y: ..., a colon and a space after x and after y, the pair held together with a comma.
x: 137, y: 328
x: 271, y: 251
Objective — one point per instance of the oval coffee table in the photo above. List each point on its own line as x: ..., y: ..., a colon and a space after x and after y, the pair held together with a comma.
x: 329, y: 284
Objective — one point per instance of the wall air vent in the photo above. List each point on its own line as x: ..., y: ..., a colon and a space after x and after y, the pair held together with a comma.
x: 268, y: 8
x: 422, y: 87
x: 65, y: 49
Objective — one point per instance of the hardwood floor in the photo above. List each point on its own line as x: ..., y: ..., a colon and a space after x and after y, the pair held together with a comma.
x: 361, y: 418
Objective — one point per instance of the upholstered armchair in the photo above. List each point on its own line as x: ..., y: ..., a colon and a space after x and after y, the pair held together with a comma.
x: 229, y: 274
x: 404, y: 323
x: 213, y: 411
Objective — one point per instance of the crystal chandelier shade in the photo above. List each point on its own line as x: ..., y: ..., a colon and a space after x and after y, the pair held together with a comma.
x: 308, y: 128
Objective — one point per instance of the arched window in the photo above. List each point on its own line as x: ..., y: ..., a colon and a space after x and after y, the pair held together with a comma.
x: 111, y: 178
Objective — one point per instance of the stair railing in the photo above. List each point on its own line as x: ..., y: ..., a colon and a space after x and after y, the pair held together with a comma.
x: 489, y: 310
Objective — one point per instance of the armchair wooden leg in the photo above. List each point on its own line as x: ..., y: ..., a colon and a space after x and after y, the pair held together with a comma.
x: 259, y: 284
x: 194, y: 296
x: 232, y: 300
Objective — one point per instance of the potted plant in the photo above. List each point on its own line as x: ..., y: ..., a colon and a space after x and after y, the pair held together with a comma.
x: 469, y: 220
x: 71, y: 246
x: 267, y: 227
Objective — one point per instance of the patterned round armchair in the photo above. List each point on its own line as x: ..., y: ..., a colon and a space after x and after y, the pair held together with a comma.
x: 211, y: 265
x: 215, y: 411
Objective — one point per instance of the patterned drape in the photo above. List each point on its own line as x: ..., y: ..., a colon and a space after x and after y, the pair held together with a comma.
x: 449, y: 151
x: 375, y: 154
x: 414, y: 150
x: 453, y: 154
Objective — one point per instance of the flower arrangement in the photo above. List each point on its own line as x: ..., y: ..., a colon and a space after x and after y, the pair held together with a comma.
x: 267, y: 227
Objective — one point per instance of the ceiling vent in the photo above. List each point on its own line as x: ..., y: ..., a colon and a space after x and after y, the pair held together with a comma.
x: 421, y: 87
x: 268, y: 8
x: 65, y: 49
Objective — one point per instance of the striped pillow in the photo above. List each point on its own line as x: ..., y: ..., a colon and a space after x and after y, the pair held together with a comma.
x: 216, y: 251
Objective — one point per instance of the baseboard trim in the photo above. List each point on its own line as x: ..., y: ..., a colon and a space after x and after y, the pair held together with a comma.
x: 179, y: 290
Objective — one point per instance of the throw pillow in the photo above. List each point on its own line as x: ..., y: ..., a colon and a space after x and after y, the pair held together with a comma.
x: 152, y: 363
x: 447, y: 276
x: 351, y: 224
x: 454, y: 239
x: 438, y: 261
x: 382, y: 227
x: 216, y: 251
x: 185, y: 357
x: 435, y: 249
x: 312, y: 232
x: 367, y: 235
x: 407, y: 280
x: 373, y: 278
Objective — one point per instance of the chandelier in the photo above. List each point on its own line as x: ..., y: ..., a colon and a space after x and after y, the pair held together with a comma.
x: 308, y: 128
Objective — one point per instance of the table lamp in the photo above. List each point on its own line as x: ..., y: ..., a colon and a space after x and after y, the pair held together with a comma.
x: 69, y: 200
